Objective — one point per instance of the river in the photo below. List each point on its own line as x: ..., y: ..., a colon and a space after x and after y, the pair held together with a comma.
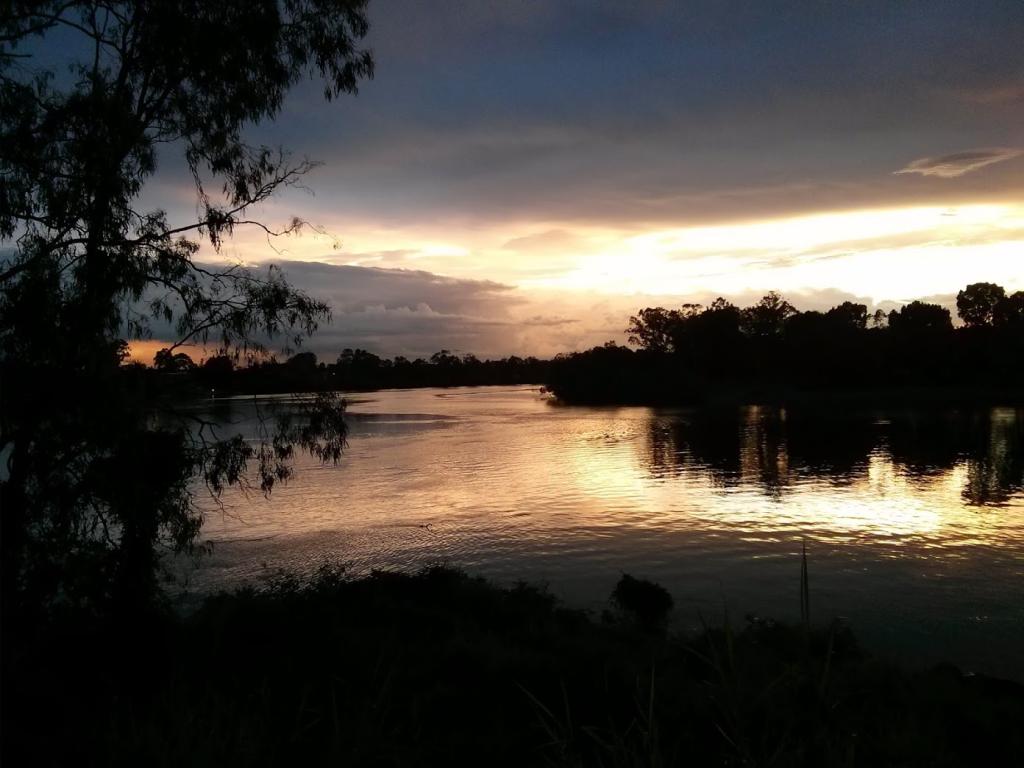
x: 913, y: 520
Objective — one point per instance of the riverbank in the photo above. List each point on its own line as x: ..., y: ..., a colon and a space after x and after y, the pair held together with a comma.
x: 443, y: 668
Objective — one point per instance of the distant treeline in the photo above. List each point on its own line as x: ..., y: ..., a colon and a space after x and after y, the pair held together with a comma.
x: 770, y: 351
x: 767, y: 352
x: 354, y: 370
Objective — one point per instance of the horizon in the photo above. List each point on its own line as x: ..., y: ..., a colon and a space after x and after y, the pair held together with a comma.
x: 144, y: 351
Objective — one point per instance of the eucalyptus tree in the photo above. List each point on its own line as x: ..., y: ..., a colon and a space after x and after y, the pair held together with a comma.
x: 93, y: 486
x: 978, y: 304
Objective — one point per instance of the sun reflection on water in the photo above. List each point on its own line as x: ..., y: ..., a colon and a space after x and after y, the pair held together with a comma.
x: 907, y: 513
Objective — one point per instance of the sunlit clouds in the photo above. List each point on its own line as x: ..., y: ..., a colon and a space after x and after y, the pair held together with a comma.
x: 595, y: 158
x: 890, y: 255
x: 887, y: 255
x: 552, y: 287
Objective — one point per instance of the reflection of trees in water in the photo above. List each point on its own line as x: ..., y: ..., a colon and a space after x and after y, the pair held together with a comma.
x: 773, y: 448
x: 684, y: 442
x: 989, y: 443
x: 764, y: 457
x: 768, y: 447
x: 836, y: 446
x: 995, y: 470
x: 928, y: 443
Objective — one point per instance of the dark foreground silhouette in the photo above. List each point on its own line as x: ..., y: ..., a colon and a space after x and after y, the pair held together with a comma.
x: 770, y: 352
x: 354, y: 370
x: 443, y: 669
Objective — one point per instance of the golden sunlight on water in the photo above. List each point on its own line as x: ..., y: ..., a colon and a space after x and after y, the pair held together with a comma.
x: 914, y: 520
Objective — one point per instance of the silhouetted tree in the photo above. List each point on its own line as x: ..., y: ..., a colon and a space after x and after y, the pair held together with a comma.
x: 1009, y: 312
x: 709, y: 339
x: 171, y: 362
x: 976, y: 304
x: 770, y: 351
x: 768, y: 316
x: 93, y: 485
x: 849, y: 315
x: 304, y: 362
x: 920, y: 317
x: 653, y: 329
x: 809, y: 327
x: 445, y: 359
x: 215, y: 372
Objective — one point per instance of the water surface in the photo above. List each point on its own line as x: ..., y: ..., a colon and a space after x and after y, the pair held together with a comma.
x: 913, y: 519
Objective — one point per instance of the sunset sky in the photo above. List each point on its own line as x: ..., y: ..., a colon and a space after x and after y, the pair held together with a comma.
x: 521, y: 176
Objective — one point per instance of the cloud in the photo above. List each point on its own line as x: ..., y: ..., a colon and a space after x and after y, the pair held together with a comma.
x: 552, y: 239
x: 543, y: 115
x: 390, y: 256
x: 540, y: 115
x: 416, y: 313
x: 957, y: 164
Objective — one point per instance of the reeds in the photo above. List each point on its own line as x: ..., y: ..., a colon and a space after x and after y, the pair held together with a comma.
x: 444, y: 669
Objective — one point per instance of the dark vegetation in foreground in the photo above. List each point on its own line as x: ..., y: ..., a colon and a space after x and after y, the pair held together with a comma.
x: 441, y: 669
x: 770, y: 352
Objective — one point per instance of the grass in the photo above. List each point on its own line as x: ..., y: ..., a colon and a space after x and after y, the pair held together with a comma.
x: 441, y: 668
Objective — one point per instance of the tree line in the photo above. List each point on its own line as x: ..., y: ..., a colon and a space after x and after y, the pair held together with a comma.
x: 353, y: 370
x: 771, y: 350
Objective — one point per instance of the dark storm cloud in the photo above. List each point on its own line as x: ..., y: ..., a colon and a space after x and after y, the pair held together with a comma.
x: 352, y: 289
x: 416, y: 313
x: 658, y: 111
x: 397, y: 311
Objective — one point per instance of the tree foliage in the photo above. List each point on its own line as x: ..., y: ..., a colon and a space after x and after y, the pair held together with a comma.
x: 772, y: 351
x: 976, y: 304
x: 93, y: 486
x: 651, y: 328
x: 919, y: 318
x: 768, y: 317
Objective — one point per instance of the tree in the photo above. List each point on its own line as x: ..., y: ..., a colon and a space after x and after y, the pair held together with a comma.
x: 445, y: 359
x: 1009, y: 312
x: 809, y: 328
x: 976, y: 304
x: 653, y: 329
x: 304, y: 362
x: 94, y: 488
x: 849, y: 315
x: 170, y: 362
x: 714, y: 331
x: 767, y: 317
x: 921, y: 318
